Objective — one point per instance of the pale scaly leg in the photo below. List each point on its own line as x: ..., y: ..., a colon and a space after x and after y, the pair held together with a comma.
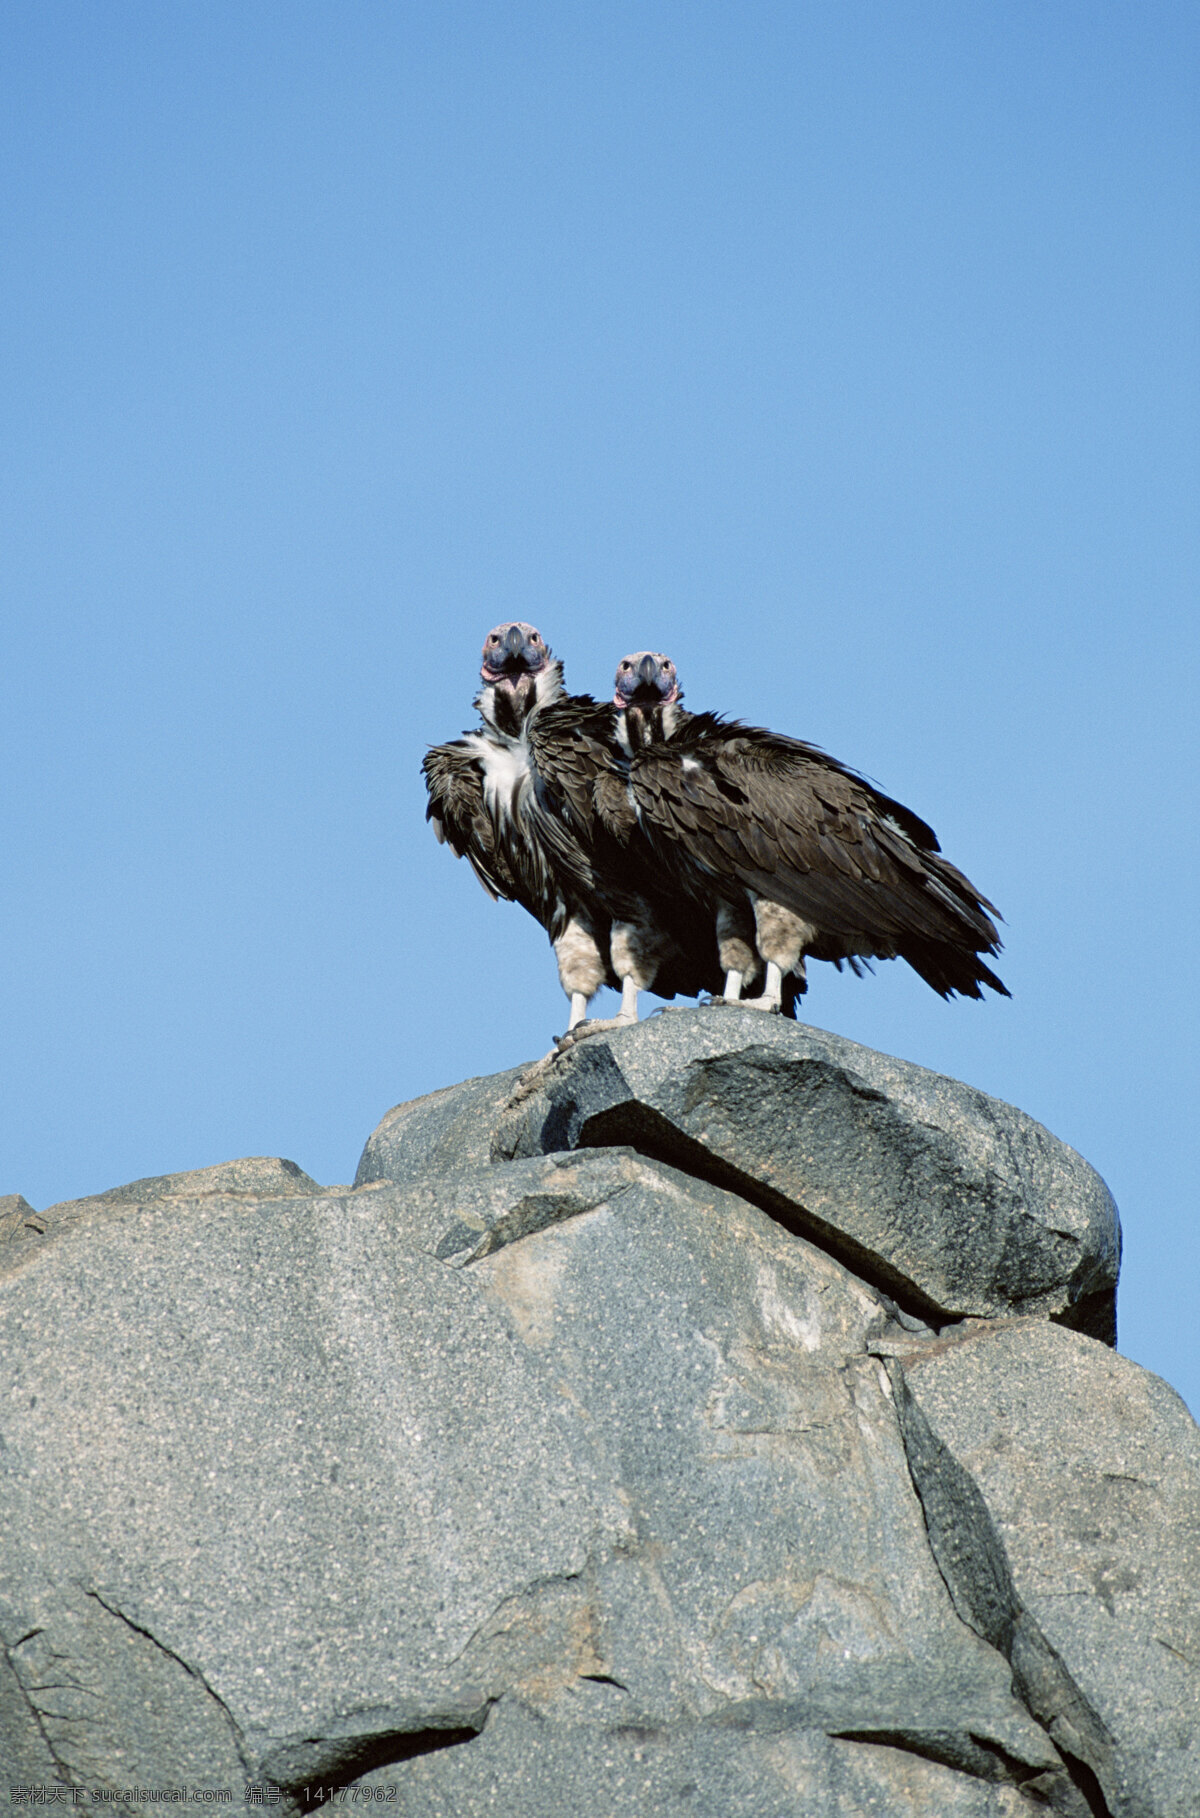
x: 782, y: 938
x: 628, y: 1013
x: 579, y: 1031
x: 772, y: 997
x: 735, y: 949
x: 634, y: 952
x: 580, y: 967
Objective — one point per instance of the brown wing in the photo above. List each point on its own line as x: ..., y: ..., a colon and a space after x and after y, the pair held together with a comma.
x: 572, y: 744
x: 616, y: 806
x: 574, y: 757
x: 744, y: 807
x: 576, y: 754
x: 458, y: 813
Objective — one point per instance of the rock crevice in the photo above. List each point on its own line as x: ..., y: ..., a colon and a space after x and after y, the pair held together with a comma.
x: 955, y: 1204
x: 972, y: 1560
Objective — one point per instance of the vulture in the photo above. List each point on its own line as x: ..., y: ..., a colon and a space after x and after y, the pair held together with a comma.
x: 517, y: 798
x: 787, y: 853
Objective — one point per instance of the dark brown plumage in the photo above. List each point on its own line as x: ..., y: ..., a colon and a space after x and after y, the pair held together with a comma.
x: 517, y: 799
x: 788, y: 851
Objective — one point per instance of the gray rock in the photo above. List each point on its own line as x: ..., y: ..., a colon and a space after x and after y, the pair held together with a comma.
x: 1061, y: 1485
x: 524, y: 1764
x: 24, y: 1751
x: 632, y: 1466
x: 460, y: 1218
x: 112, y: 1706
x: 17, y: 1217
x: 250, y: 1177
x: 294, y: 1405
x: 594, y: 1453
x: 444, y: 1132
x: 954, y: 1203
x: 264, y: 1176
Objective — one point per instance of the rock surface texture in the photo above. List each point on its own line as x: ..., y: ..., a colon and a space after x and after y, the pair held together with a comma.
x: 715, y: 1422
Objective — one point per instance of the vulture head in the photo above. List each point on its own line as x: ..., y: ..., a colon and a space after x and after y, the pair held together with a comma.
x: 518, y: 673
x: 646, y: 679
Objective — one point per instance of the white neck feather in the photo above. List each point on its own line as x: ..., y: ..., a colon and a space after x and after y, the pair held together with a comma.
x: 548, y: 687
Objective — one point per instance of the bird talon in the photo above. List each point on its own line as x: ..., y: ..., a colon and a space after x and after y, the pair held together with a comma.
x: 529, y: 1081
x: 594, y: 1025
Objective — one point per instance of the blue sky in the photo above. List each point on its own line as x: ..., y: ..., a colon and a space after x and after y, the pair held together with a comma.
x: 848, y: 352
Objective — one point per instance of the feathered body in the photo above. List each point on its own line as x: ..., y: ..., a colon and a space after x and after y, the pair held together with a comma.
x: 788, y: 851
x: 517, y: 798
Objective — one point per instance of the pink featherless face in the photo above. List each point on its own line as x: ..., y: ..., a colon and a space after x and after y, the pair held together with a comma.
x: 513, y: 651
x: 646, y: 678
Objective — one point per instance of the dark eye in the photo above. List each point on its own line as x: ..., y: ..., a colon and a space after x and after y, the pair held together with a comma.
x: 627, y: 665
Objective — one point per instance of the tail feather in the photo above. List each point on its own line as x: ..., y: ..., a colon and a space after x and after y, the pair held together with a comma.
x: 951, y: 969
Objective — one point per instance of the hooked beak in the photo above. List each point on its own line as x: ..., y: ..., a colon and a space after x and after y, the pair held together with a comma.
x: 511, y: 652
x: 646, y: 679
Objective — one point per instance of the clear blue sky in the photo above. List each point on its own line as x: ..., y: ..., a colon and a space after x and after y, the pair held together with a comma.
x: 848, y: 352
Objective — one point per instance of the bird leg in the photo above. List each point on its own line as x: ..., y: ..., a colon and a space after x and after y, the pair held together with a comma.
x: 772, y: 997
x: 578, y: 1031
x: 735, y: 947
x: 580, y: 968
x: 782, y: 937
x: 636, y: 952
